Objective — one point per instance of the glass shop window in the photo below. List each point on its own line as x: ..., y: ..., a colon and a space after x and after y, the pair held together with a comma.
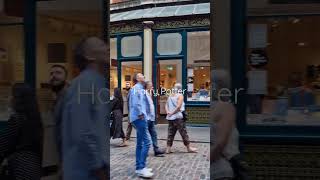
x: 131, y: 46
x: 198, y: 75
x: 283, y: 70
x: 169, y: 44
x: 11, y: 64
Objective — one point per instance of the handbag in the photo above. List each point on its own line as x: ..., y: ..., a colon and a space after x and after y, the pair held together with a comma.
x: 240, y: 167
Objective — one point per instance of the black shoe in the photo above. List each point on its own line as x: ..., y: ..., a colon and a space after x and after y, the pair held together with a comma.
x: 159, y: 153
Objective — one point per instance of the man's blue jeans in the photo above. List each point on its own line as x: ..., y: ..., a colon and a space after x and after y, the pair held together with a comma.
x: 153, y: 134
x: 143, y: 143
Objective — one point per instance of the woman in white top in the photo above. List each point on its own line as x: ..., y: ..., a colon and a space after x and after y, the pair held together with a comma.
x: 174, y: 108
x: 225, y: 136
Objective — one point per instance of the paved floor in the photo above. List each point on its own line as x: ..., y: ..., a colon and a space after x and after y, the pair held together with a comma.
x: 175, y: 166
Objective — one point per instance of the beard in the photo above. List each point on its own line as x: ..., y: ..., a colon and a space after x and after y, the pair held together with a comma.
x: 58, y: 87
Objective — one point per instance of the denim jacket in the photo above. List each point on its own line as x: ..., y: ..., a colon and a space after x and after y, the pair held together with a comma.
x: 138, y: 102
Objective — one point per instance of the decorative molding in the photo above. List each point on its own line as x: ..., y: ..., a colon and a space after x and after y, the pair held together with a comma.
x: 185, y: 23
x: 123, y: 28
x: 197, y: 22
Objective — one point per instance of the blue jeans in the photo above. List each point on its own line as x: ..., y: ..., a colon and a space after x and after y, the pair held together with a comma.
x: 143, y: 143
x: 153, y: 134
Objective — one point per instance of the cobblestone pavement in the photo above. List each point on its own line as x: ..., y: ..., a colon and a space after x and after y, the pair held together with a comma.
x: 179, y: 165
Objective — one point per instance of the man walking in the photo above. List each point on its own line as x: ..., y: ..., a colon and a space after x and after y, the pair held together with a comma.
x: 138, y: 105
x: 85, y: 106
x: 151, y: 120
x: 59, y: 84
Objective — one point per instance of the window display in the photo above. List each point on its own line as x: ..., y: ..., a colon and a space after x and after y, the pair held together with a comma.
x: 283, y: 71
x: 198, y: 75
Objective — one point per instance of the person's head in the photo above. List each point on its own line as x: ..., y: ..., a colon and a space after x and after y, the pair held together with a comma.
x: 128, y: 85
x: 202, y: 86
x: 117, y: 93
x: 220, y: 80
x: 58, y: 77
x: 91, y: 53
x: 148, y: 85
x: 177, y: 88
x: 138, y: 78
x: 24, y: 100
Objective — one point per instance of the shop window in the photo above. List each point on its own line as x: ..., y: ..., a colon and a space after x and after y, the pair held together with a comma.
x: 283, y: 71
x: 11, y: 64
x: 169, y: 44
x: 198, y: 75
x: 131, y: 46
x: 128, y: 69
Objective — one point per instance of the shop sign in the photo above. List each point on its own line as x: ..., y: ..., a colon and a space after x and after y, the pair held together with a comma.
x: 258, y: 58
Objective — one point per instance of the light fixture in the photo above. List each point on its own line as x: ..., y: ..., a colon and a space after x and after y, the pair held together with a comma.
x: 294, y: 20
x: 169, y: 67
x: 301, y: 44
x: 201, y: 67
x: 203, y: 75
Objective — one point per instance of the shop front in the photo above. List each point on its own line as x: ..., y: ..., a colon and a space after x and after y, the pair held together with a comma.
x: 275, y: 57
x: 170, y: 45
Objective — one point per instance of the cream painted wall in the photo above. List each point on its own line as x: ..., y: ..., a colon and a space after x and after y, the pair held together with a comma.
x: 11, y: 39
x: 47, y: 34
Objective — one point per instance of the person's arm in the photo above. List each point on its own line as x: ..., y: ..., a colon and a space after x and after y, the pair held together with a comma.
x: 179, y: 104
x: 223, y: 130
x: 88, y: 120
x: 9, y: 136
x: 136, y: 101
x: 166, y: 106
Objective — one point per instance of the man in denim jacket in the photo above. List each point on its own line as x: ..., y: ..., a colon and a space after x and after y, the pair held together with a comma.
x: 139, y: 109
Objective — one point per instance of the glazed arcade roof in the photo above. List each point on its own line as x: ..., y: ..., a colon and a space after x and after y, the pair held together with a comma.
x: 167, y: 11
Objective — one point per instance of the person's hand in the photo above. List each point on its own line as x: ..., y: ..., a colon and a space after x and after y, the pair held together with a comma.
x: 169, y: 114
x: 141, y: 117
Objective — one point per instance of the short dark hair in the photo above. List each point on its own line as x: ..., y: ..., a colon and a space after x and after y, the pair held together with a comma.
x: 62, y: 67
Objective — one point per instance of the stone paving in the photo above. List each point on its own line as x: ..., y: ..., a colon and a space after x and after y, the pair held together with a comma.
x: 179, y: 165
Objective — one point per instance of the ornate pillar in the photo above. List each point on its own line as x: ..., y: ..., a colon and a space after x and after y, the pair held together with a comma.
x: 147, y: 50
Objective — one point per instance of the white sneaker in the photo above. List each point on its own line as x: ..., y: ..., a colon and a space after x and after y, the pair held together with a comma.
x: 149, y: 169
x: 145, y: 173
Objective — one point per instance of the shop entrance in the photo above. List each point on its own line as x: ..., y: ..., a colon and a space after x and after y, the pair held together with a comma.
x: 168, y: 73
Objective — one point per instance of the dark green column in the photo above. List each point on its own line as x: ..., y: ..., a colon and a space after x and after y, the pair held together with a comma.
x: 30, y: 42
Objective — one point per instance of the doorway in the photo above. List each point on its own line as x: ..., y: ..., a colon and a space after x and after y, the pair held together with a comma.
x: 168, y: 73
